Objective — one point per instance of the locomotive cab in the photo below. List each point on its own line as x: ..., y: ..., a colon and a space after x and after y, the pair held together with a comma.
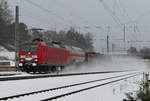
x: 29, y: 55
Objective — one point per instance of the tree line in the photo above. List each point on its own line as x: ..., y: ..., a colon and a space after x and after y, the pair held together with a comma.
x: 7, y: 33
x: 144, y: 52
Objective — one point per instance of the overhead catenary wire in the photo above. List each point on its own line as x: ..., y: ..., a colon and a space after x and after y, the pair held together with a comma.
x: 61, y: 18
x: 121, y: 8
x: 35, y: 20
x: 82, y: 19
x: 69, y: 10
x: 54, y: 14
x: 140, y: 33
x: 139, y: 17
x: 136, y: 28
x: 124, y: 9
x: 49, y: 12
x: 58, y: 16
x: 111, y: 13
x: 115, y: 18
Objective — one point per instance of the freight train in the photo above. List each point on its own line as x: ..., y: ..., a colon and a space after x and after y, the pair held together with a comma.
x: 37, y: 56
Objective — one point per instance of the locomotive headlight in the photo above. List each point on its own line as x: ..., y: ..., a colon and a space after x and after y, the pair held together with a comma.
x: 34, y: 64
x: 36, y: 60
x: 22, y: 56
x: 34, y: 56
x: 20, y: 64
x: 21, y: 60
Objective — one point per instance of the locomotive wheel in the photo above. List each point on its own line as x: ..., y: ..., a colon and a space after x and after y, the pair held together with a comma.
x: 53, y: 68
x: 58, y: 69
x: 34, y: 71
x: 27, y: 71
x: 39, y: 71
x: 62, y: 67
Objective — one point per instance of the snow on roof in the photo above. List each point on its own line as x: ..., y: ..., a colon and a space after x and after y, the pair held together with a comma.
x: 5, y: 53
x: 76, y: 48
x: 10, y: 55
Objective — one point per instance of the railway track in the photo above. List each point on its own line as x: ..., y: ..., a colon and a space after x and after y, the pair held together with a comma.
x: 10, y: 74
x: 58, y: 75
x: 83, y: 84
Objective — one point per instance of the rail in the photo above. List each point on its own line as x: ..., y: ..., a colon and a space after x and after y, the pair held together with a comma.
x: 76, y: 84
x: 59, y: 75
x: 77, y: 91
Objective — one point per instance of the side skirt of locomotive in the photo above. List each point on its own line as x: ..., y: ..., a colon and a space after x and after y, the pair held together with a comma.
x: 44, y: 68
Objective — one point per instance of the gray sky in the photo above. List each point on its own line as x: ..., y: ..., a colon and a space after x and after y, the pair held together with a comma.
x: 92, y: 13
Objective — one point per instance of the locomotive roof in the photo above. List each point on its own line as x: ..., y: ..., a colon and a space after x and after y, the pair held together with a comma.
x: 43, y: 43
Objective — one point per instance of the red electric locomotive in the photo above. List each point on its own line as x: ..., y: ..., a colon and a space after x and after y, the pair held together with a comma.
x: 37, y: 56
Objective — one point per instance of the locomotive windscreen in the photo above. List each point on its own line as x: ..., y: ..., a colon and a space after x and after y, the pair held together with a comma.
x: 29, y: 48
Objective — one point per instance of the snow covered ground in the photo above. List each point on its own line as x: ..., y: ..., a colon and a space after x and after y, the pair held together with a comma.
x: 111, y: 92
x: 23, y: 86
